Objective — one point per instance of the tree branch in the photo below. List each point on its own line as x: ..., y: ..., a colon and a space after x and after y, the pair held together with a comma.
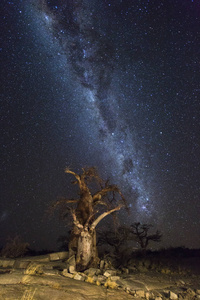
x: 68, y: 171
x: 76, y: 222
x: 102, y: 216
x: 104, y: 191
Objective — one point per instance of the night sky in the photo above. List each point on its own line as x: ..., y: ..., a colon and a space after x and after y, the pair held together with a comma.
x: 112, y: 84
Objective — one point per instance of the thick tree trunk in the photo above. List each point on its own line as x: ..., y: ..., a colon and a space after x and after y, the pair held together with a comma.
x: 86, y: 251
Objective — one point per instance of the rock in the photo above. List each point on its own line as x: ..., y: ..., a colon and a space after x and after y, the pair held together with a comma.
x: 115, y: 278
x: 7, y: 263
x: 191, y: 293
x: 77, y: 276
x: 71, y: 264
x: 180, y: 282
x: 109, y: 273
x: 72, y: 269
x: 20, y: 264
x: 172, y: 295
x: 71, y: 261
x: 158, y: 298
x: 50, y: 272
x: 102, y: 263
x: 101, y: 279
x: 40, y: 258
x: 66, y: 273
x: 147, y: 295
x: 58, y: 256
x: 140, y: 293
x: 92, y: 271
x: 53, y: 256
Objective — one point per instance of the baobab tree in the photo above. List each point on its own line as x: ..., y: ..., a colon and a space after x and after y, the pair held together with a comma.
x: 117, y: 239
x: 87, y: 212
x: 140, y: 233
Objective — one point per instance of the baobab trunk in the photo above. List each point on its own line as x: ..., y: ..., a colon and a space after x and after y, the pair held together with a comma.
x: 86, y: 254
x: 85, y: 250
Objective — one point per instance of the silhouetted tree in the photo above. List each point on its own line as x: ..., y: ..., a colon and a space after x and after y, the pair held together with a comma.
x: 140, y: 233
x: 116, y: 239
x: 87, y: 212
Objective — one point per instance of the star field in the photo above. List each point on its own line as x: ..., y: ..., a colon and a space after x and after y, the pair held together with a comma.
x: 111, y: 84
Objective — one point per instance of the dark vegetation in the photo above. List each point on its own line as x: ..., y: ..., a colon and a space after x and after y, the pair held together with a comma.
x: 15, y: 247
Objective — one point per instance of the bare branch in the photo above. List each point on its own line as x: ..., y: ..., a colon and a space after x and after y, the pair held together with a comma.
x: 102, y: 216
x: 88, y: 221
x: 76, y: 222
x: 67, y: 170
x: 104, y: 191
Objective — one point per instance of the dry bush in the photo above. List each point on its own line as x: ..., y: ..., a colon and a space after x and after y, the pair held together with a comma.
x: 34, y: 269
x: 14, y: 247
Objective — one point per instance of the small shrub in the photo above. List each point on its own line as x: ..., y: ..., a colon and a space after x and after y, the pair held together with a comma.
x: 34, y: 269
x: 14, y: 247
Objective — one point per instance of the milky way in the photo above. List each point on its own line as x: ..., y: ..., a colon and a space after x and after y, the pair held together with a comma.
x: 92, y: 59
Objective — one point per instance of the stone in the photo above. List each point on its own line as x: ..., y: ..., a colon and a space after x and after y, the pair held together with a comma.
x: 92, y: 271
x: 40, y: 258
x: 71, y: 261
x: 140, y: 293
x: 77, y: 276
x: 115, y: 278
x: 53, y: 256
x: 158, y: 298
x: 7, y: 263
x: 58, y: 256
x: 147, y: 295
x: 109, y: 273
x: 190, y: 292
x: 102, y: 263
x: 20, y: 264
x: 172, y: 295
x: 50, y: 272
x: 66, y: 273
x: 101, y: 279
x: 72, y: 269
x: 71, y: 264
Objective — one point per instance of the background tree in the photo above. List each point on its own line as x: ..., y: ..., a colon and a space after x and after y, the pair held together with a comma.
x: 116, y: 239
x: 140, y: 233
x: 87, y: 212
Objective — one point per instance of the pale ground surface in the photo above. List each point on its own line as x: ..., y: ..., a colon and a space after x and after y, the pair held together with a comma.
x: 15, y: 284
